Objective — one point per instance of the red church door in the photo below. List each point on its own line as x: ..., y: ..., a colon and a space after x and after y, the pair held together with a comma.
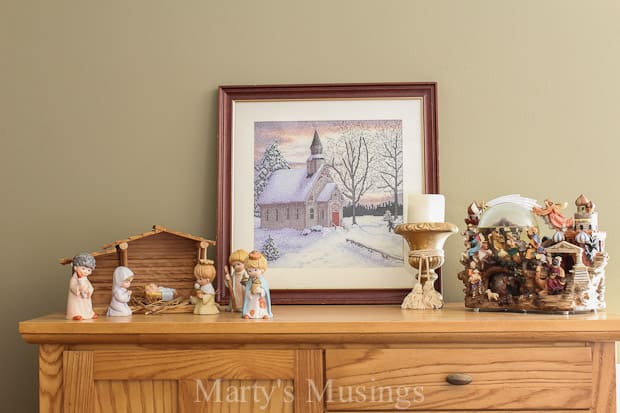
x: 336, y: 218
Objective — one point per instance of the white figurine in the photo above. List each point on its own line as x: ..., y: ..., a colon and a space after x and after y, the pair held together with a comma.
x: 120, y: 292
x: 79, y: 303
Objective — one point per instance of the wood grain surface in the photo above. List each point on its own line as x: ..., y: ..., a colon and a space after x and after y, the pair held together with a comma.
x: 604, y: 386
x: 517, y: 362
x: 192, y: 364
x: 78, y: 382
x: 344, y: 323
x: 132, y: 396
x: 50, y: 378
x: 517, y: 378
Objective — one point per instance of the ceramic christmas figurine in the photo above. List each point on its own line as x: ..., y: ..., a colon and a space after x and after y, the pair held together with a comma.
x: 154, y: 293
x: 257, y: 300
x: 236, y: 281
x: 204, y: 300
x: 553, y: 215
x: 524, y: 266
x: 556, y: 278
x: 79, y: 303
x: 120, y: 292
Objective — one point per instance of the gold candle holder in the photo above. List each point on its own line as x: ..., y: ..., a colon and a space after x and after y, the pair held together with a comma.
x: 426, y: 241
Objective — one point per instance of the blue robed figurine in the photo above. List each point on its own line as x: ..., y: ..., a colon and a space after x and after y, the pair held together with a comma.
x: 257, y: 301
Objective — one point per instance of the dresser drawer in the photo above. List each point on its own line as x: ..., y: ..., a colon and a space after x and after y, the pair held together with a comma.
x: 536, y: 378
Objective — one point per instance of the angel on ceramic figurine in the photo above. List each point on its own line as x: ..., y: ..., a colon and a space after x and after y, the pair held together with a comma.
x: 257, y: 300
x: 236, y: 281
x: 204, y: 300
x: 552, y: 213
x: 121, y: 280
x: 79, y: 303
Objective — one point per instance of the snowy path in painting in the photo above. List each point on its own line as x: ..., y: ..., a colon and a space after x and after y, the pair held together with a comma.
x: 328, y: 248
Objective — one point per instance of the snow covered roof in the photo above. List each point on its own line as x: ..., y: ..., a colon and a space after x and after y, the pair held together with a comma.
x: 288, y: 185
x: 327, y: 192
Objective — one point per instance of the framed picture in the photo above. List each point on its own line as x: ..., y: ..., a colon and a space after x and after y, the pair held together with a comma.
x: 316, y: 177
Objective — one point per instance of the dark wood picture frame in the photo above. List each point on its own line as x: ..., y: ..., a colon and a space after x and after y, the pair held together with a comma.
x: 228, y: 95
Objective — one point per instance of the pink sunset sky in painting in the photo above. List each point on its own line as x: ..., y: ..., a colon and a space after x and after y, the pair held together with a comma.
x: 295, y: 137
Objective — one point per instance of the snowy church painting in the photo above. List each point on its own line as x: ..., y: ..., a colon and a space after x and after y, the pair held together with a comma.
x: 327, y: 194
x: 301, y: 197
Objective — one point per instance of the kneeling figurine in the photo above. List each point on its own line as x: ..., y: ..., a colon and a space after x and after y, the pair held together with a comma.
x: 121, y: 294
x: 204, y: 301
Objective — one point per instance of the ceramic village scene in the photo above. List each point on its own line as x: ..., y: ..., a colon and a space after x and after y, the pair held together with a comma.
x: 513, y: 263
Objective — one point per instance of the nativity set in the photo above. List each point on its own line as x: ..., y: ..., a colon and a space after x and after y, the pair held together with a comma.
x: 512, y: 264
x: 163, y: 271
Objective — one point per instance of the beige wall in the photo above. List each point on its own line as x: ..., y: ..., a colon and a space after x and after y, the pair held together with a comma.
x: 108, y: 115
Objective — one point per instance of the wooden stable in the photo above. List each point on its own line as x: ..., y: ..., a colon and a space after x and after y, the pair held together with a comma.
x: 161, y: 256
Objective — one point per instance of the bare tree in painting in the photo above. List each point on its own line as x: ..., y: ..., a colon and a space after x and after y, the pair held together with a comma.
x: 352, y: 161
x: 390, y: 151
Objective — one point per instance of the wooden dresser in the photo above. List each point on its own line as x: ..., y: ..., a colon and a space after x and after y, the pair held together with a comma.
x: 312, y: 359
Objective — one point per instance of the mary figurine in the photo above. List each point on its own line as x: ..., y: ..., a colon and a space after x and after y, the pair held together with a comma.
x: 120, y: 292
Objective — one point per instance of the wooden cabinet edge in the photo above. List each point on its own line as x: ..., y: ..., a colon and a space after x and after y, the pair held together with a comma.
x: 320, y: 339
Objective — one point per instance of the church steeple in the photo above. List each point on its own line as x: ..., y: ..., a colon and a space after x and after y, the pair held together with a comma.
x: 316, y: 147
x: 316, y: 158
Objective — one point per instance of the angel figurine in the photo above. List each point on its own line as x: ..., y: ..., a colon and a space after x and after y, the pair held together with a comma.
x: 79, y: 302
x: 553, y: 215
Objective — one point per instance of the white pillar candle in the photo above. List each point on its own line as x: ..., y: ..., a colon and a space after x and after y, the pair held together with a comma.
x: 426, y: 208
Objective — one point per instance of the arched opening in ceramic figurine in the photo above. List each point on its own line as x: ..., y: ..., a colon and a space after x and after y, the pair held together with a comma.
x: 503, y: 282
